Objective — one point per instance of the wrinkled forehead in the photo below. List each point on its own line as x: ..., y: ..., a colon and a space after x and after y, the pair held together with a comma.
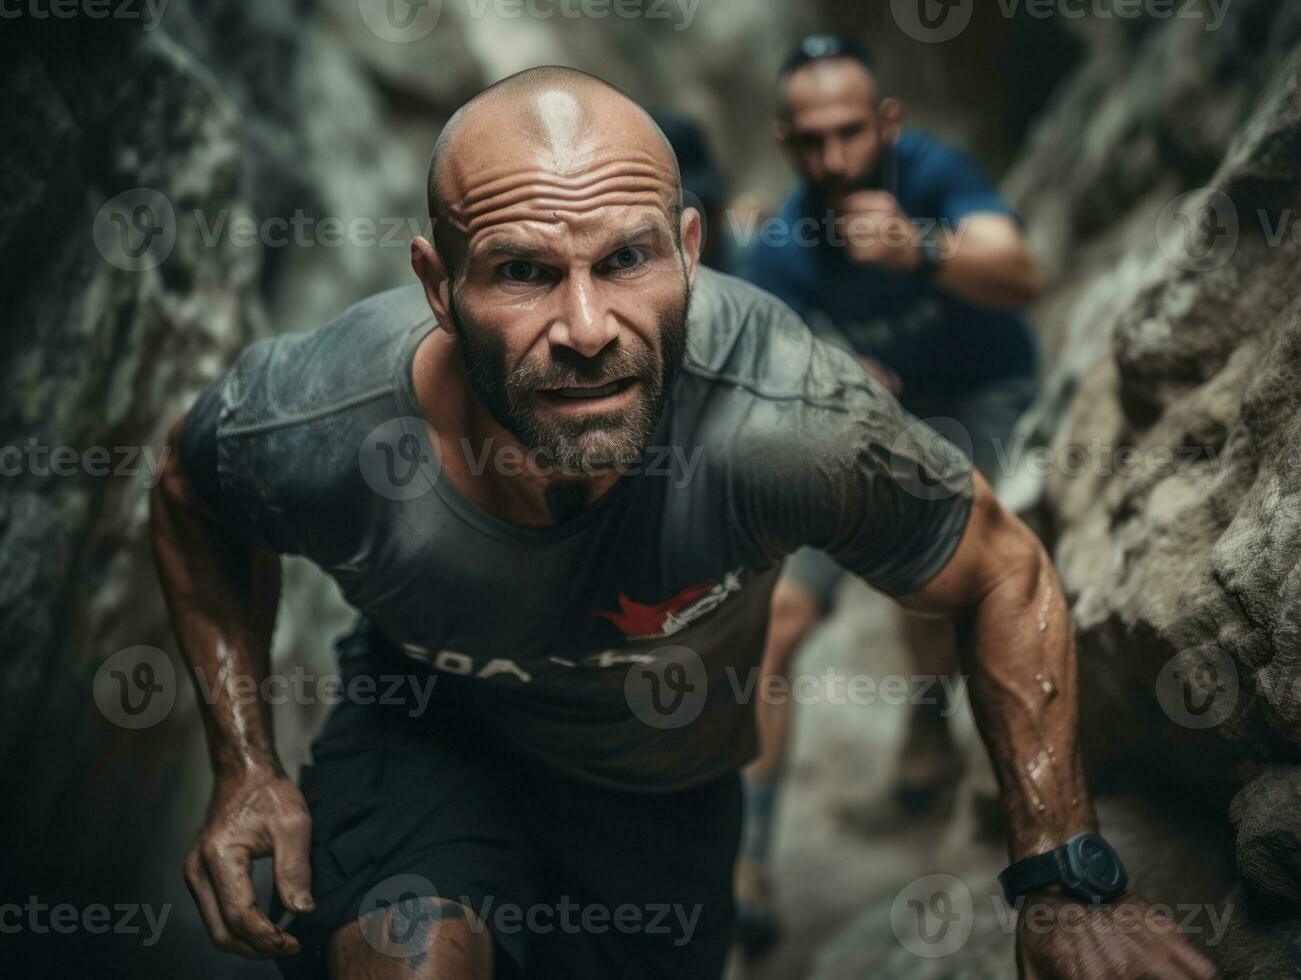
x: 551, y: 158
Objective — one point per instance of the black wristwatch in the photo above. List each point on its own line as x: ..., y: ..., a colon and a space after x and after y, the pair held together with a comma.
x: 1086, y: 866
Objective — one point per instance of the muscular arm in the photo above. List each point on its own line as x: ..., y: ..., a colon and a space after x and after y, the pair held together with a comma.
x: 222, y: 593
x: 987, y: 263
x: 1018, y: 651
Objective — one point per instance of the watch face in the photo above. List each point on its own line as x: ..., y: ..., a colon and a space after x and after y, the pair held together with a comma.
x: 1094, y: 868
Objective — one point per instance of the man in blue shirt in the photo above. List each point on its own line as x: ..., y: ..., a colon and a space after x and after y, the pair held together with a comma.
x: 897, y: 248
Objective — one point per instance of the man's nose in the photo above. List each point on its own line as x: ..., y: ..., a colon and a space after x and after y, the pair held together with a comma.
x: 583, y: 322
x: 833, y: 158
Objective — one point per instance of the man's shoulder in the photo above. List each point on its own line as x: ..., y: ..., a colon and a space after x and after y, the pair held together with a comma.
x: 927, y: 164
x: 746, y: 341
x: 295, y: 377
x: 916, y: 147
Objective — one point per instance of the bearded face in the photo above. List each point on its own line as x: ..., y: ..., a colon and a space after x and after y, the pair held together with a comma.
x: 579, y: 414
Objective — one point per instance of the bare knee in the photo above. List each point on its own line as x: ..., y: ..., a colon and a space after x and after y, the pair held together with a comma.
x: 413, y: 939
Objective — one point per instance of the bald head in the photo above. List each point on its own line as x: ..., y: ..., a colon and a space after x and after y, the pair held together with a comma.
x: 544, y: 142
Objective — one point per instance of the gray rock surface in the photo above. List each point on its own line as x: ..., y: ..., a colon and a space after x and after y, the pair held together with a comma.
x: 1162, y: 188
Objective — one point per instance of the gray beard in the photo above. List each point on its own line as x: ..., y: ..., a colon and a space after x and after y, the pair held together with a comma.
x: 593, y: 443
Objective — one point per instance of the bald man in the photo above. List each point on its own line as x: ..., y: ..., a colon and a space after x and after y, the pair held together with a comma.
x: 557, y: 479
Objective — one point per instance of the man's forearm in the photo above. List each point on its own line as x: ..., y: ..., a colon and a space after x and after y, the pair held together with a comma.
x: 987, y: 263
x: 221, y: 594
x: 1019, y: 654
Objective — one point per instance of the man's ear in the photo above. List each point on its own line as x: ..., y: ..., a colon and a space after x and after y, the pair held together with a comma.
x: 432, y: 273
x: 691, y: 230
x: 891, y: 115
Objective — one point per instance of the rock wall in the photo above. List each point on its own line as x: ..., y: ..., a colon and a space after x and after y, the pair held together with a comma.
x: 1161, y: 189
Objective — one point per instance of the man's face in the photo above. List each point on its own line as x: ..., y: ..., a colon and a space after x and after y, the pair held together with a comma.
x: 573, y: 330
x: 831, y: 127
x: 573, y: 264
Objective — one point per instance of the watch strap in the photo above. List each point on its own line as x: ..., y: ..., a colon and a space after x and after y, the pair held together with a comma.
x: 1030, y: 874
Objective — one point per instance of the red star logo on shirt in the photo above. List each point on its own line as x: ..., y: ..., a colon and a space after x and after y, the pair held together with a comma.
x: 638, y: 621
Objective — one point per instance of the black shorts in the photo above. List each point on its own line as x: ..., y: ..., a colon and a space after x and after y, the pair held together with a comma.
x: 573, y: 880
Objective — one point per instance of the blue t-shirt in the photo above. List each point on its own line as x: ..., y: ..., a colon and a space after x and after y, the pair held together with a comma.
x: 932, y: 339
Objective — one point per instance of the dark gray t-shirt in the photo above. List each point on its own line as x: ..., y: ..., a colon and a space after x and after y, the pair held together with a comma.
x: 620, y: 645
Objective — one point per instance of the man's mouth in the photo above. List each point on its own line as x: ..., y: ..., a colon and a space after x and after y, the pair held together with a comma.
x: 597, y: 391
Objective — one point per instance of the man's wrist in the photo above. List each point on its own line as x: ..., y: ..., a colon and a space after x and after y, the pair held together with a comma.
x: 246, y: 762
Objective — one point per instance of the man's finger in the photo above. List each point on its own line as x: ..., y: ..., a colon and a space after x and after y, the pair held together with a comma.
x: 205, y: 900
x: 230, y: 871
x: 1193, y: 964
x: 292, y: 844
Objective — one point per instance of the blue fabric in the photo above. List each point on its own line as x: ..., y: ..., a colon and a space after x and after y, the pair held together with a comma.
x: 932, y: 339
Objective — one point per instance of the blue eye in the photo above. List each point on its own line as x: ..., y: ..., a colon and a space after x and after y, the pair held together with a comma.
x: 626, y: 258
x: 519, y: 270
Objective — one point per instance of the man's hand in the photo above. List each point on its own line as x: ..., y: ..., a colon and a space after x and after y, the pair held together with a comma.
x: 250, y: 817
x: 877, y: 232
x: 1059, y: 938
